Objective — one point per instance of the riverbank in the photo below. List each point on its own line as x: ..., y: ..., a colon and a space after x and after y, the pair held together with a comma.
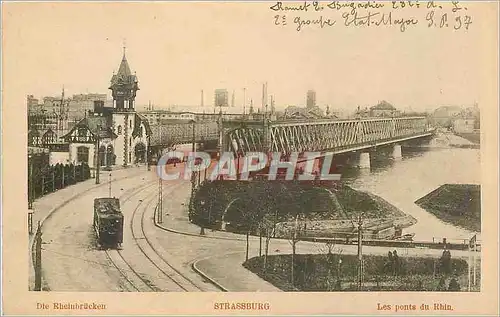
x: 474, y: 137
x: 321, y: 211
x: 458, y: 204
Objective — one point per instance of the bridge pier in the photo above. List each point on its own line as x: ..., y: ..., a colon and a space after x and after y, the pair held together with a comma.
x: 364, y: 160
x: 396, y: 151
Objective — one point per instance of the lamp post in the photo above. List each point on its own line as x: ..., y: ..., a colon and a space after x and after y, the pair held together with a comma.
x: 160, y: 201
x: 193, y: 151
x: 98, y: 163
x: 30, y: 187
x: 360, y: 252
x: 109, y: 185
x: 148, y: 152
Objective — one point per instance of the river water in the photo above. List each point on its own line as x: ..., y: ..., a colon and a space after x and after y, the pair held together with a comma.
x: 420, y: 171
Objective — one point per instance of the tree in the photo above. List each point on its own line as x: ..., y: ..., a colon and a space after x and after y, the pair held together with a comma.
x: 268, y: 226
x: 293, y: 239
x: 334, y: 262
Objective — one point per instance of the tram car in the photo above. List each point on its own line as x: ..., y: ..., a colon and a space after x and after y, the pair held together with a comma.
x: 108, y: 222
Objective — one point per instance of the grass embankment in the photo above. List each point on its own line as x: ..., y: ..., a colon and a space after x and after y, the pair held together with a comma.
x: 459, y: 205
x: 280, y: 201
x: 322, y: 272
x: 472, y: 137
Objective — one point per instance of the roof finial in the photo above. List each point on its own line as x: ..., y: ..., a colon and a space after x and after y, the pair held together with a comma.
x: 124, y: 47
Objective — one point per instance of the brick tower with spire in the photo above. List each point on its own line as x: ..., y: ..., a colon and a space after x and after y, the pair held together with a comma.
x: 124, y: 87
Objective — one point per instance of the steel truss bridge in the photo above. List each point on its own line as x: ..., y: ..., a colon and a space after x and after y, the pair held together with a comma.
x: 335, y: 136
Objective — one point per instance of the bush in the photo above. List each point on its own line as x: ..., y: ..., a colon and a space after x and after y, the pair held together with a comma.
x: 321, y: 272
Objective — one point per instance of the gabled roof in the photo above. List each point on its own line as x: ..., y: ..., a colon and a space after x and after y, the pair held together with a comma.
x: 96, y: 125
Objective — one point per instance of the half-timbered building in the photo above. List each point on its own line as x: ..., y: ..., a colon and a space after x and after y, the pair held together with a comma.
x: 118, y: 135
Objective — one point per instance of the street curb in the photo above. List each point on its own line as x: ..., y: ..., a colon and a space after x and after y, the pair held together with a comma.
x: 191, y: 234
x: 203, y: 274
x: 188, y: 233
x: 51, y: 212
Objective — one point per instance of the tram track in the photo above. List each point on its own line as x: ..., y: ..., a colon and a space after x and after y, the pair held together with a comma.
x: 184, y: 282
x: 135, y: 279
x: 144, y: 244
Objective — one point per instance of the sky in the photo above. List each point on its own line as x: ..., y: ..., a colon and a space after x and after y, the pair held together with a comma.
x: 178, y: 49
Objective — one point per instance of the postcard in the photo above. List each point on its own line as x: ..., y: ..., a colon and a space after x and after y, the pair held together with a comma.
x: 250, y: 158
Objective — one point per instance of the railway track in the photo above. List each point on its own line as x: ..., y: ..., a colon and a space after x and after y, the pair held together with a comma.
x: 146, y: 246
x: 133, y: 278
x: 138, y: 282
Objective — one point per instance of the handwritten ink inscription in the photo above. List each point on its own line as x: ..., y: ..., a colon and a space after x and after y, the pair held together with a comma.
x: 403, y: 15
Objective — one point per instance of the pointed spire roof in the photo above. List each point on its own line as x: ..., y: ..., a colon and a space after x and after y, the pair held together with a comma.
x: 124, y: 69
x: 124, y: 75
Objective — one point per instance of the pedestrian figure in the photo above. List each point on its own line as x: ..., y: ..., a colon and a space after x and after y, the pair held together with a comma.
x: 445, y: 262
x: 389, y: 266
x: 396, y: 262
x: 442, y: 284
x: 338, y: 285
x: 454, y: 285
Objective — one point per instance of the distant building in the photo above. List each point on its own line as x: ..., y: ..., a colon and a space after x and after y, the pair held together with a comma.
x: 58, y: 112
x: 293, y: 112
x: 156, y: 117
x: 383, y: 109
x: 221, y: 98
x: 464, y: 125
x: 445, y: 115
x: 32, y: 102
x: 81, y: 104
x: 311, y: 99
x: 362, y: 113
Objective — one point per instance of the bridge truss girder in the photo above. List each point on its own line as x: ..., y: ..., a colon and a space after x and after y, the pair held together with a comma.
x: 317, y: 136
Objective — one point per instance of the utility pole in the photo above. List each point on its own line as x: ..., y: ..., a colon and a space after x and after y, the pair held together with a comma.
x: 38, y: 258
x: 360, y: 253
x: 98, y: 163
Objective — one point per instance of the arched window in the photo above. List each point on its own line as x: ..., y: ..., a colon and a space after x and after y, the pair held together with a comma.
x: 82, y: 154
x: 119, y: 129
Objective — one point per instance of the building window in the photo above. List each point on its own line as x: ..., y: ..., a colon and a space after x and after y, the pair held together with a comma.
x: 82, y: 154
x: 82, y: 131
x: 130, y: 123
x: 130, y: 157
x: 129, y: 142
x: 119, y: 129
